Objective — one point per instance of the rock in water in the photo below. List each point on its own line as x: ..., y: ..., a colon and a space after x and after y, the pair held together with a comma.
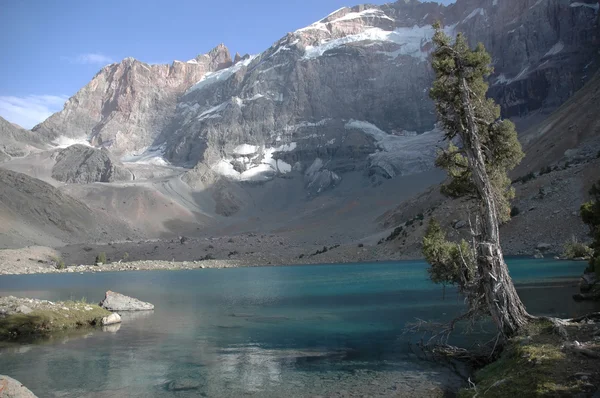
x: 183, y: 385
x: 118, y: 302
x: 111, y: 319
x: 11, y: 388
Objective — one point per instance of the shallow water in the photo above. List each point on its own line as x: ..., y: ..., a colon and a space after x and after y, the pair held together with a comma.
x: 267, y: 331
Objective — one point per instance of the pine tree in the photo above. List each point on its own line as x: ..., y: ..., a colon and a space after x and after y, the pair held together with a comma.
x: 482, y: 149
x: 590, y: 214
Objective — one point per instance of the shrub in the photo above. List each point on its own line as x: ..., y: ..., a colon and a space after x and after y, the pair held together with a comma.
x: 514, y: 211
x: 60, y: 264
x: 395, y: 233
x: 325, y: 249
x: 575, y: 249
x: 125, y: 256
x: 361, y: 245
x: 545, y: 170
x: 101, y: 258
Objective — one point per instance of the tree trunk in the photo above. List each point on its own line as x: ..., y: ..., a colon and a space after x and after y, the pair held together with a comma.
x: 505, y: 306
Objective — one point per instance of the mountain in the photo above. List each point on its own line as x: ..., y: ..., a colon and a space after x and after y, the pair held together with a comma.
x: 15, y: 141
x: 322, y: 132
x: 127, y: 102
x: 34, y: 212
x: 345, y: 93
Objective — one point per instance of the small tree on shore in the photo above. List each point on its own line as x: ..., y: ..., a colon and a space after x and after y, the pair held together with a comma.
x: 590, y: 214
x: 482, y: 149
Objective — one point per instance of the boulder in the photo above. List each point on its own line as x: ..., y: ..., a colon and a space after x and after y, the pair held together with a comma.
x: 11, y: 388
x: 23, y: 309
x: 544, y: 246
x: 460, y: 224
x: 538, y: 254
x: 111, y: 319
x: 80, y: 164
x: 118, y: 302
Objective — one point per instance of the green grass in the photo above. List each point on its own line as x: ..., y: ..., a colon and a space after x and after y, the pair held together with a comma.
x: 531, y: 365
x: 44, y: 322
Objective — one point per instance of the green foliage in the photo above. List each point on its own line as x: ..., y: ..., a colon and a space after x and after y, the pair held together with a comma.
x: 453, y: 62
x: 451, y: 263
x: 125, y: 256
x: 533, y: 365
x: 44, y: 322
x: 101, y: 258
x: 590, y: 214
x: 60, y: 264
x: 575, y: 249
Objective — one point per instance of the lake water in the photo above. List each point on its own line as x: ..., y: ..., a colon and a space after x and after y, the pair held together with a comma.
x: 324, y: 330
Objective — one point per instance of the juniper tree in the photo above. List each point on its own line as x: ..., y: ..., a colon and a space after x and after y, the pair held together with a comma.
x: 590, y: 214
x: 482, y: 149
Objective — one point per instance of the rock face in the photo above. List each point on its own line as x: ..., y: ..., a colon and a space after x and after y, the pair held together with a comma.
x: 11, y: 388
x: 111, y: 319
x: 17, y: 142
x: 81, y: 164
x: 126, y: 103
x: 347, y: 93
x: 118, y: 302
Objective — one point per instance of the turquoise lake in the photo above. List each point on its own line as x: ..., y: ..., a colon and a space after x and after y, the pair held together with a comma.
x: 325, y: 330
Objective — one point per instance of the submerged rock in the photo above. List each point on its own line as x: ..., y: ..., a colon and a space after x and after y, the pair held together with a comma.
x: 183, y: 385
x: 11, y: 388
x: 111, y: 319
x: 119, y: 302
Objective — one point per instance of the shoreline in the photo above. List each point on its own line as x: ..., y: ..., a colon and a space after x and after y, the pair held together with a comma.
x: 162, y: 265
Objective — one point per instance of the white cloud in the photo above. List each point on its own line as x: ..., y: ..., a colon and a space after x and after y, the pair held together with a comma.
x: 90, y: 59
x: 27, y: 111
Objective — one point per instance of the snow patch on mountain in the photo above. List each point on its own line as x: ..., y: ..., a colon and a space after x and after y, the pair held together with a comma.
x: 254, y: 163
x: 411, y: 41
x: 558, y: 47
x: 400, y: 154
x: 149, y: 155
x: 64, y: 142
x: 594, y: 6
x: 221, y: 75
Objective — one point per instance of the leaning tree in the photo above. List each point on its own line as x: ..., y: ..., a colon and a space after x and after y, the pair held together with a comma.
x: 482, y: 149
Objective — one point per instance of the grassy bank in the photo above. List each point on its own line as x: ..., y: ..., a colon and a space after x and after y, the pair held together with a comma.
x: 48, y: 319
x: 539, y: 363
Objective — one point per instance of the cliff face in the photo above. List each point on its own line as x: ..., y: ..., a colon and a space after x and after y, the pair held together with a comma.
x: 126, y: 104
x: 347, y: 93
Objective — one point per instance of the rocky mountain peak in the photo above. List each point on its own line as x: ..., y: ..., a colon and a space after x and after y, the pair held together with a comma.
x: 349, y: 90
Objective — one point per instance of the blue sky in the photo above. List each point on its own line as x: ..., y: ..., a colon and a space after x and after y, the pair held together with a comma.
x: 50, y: 49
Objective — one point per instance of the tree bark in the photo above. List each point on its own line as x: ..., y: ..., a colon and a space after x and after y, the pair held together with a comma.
x: 505, y: 306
